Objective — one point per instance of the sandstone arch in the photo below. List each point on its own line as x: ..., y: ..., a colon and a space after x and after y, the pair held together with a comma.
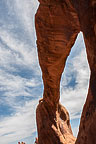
x: 57, y: 26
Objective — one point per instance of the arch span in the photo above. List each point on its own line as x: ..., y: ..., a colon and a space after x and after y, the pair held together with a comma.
x: 57, y: 26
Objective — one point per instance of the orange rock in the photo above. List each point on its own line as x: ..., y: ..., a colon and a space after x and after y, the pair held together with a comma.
x: 36, y: 141
x: 21, y: 143
x: 58, y: 23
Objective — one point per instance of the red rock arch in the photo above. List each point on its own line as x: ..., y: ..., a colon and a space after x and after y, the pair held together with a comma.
x: 57, y: 26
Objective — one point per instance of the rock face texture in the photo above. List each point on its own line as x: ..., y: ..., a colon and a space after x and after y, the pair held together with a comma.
x: 53, y: 125
x: 58, y: 23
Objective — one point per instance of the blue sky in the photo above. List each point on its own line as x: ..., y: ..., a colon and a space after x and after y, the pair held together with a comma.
x: 20, y: 76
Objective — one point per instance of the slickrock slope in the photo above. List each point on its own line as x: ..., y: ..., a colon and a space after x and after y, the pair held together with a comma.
x: 58, y: 23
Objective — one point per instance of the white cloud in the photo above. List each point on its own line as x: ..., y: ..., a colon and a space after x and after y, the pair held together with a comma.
x: 25, y: 11
x: 20, y: 51
x: 21, y: 125
x: 73, y: 95
x: 16, y: 86
x: 21, y: 47
x: 18, y: 55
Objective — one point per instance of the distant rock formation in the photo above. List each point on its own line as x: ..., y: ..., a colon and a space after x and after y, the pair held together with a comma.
x: 36, y: 140
x: 21, y: 143
x: 58, y: 23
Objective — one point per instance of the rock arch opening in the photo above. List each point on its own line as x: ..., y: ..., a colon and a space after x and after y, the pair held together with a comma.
x: 75, y: 82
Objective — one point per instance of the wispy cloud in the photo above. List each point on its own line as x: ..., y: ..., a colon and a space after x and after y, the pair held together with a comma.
x: 19, y: 70
x: 19, y: 51
x: 20, y: 125
x: 74, y: 86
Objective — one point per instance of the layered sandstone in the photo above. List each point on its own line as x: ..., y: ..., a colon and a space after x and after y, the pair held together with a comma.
x: 58, y: 23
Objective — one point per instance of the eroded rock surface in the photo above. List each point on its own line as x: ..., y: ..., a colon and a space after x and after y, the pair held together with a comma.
x: 58, y: 23
x: 53, y: 125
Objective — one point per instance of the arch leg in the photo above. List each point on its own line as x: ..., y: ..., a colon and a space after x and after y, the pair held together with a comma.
x: 56, y: 34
